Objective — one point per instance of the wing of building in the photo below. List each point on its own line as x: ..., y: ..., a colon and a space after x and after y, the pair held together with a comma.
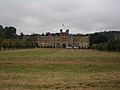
x: 61, y: 40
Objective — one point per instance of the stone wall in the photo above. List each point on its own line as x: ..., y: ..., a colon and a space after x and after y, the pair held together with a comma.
x: 63, y: 40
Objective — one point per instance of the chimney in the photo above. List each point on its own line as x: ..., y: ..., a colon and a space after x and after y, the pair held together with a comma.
x: 61, y: 30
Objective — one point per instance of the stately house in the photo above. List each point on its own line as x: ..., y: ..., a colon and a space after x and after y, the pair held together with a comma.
x: 61, y: 40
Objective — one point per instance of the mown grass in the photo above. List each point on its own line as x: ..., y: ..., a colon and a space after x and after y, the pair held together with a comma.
x: 59, y: 69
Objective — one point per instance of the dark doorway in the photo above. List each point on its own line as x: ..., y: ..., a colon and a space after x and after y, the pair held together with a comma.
x: 37, y: 45
x: 69, y: 45
x: 63, y: 45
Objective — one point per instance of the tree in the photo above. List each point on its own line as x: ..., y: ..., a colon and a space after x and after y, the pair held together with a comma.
x: 20, y: 44
x: 10, y: 32
x: 113, y: 45
x: 28, y: 44
x: 2, y: 32
x: 0, y: 43
x: 5, y: 44
x: 98, y: 38
x: 12, y: 44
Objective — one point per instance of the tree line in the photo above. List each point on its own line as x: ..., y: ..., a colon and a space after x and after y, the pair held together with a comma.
x: 101, y: 40
x: 10, y: 40
x: 105, y: 41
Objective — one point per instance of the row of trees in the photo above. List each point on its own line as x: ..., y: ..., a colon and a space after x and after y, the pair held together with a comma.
x: 112, y: 45
x: 10, y: 40
x: 15, y: 44
x: 101, y: 40
x: 105, y: 41
x: 102, y: 37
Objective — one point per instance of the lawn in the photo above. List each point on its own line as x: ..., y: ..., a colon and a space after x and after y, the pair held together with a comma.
x: 59, y: 69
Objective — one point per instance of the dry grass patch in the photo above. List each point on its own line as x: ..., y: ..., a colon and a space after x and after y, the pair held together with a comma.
x: 60, y: 81
x: 59, y: 69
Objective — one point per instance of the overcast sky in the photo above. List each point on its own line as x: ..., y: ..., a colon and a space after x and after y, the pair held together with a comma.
x: 80, y: 16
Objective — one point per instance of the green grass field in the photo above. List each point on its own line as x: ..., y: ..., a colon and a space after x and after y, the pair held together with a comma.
x: 59, y: 69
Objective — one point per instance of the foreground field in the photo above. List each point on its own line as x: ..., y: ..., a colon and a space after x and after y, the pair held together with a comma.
x: 61, y: 69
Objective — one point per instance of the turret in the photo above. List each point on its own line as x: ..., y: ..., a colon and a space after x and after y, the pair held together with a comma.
x: 67, y: 31
x: 61, y: 30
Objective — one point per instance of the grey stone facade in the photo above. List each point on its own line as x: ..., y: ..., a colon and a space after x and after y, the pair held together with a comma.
x: 62, y: 40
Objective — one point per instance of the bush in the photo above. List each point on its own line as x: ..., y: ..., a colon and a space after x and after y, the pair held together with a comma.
x: 112, y: 45
x: 8, y: 43
x: 100, y: 46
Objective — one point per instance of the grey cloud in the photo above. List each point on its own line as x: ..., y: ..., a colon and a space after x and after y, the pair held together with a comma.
x: 80, y: 16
